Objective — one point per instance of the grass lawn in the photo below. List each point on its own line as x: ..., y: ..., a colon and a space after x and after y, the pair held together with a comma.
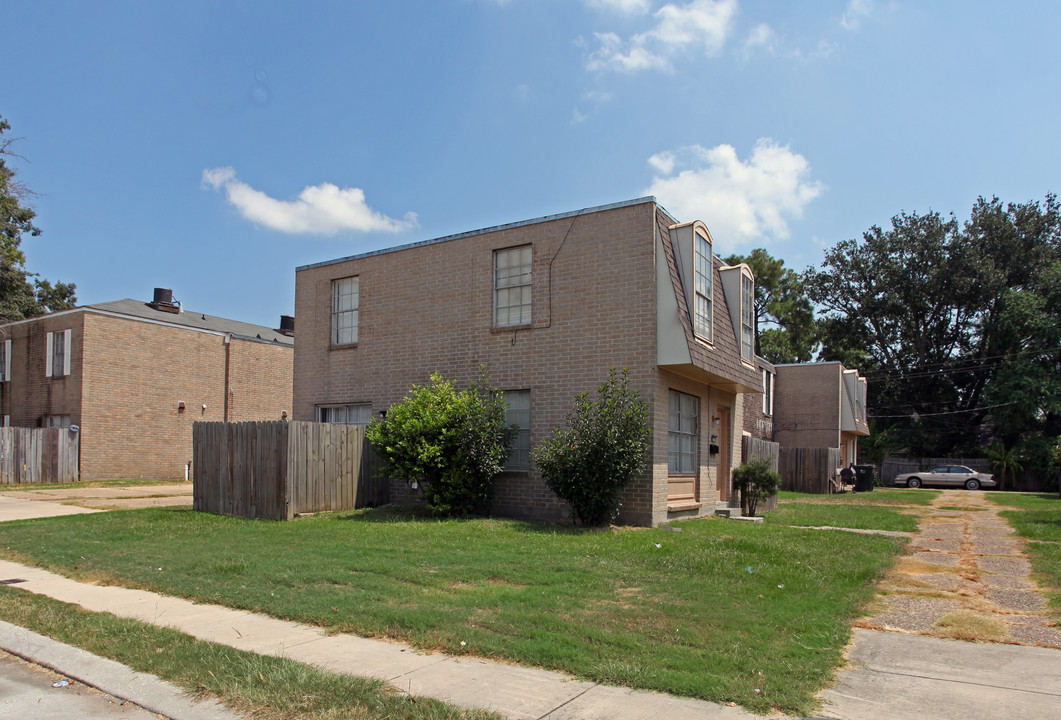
x: 724, y: 611
x: 268, y: 688
x: 879, y: 496
x: 116, y: 482
x: 882, y: 509
x: 1037, y: 517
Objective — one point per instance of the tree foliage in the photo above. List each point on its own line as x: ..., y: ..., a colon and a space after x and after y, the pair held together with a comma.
x: 22, y: 293
x: 604, y: 446
x: 451, y: 444
x: 784, y: 317
x: 925, y: 308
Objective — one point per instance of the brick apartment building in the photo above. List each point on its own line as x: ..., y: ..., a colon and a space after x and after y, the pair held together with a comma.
x: 820, y: 405
x: 548, y: 305
x: 133, y: 377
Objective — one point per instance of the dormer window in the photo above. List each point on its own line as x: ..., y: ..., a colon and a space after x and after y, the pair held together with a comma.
x: 747, y: 316
x: 702, y: 311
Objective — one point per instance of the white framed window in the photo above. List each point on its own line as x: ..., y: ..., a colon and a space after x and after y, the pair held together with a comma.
x: 57, y: 421
x: 747, y: 318
x: 682, y: 433
x: 345, y: 414
x: 518, y: 413
x: 702, y: 315
x: 768, y: 392
x: 346, y: 297
x: 57, y: 354
x: 512, y: 286
x: 5, y: 361
x: 5, y: 421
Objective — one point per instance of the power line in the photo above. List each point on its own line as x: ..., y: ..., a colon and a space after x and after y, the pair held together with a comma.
x: 949, y: 412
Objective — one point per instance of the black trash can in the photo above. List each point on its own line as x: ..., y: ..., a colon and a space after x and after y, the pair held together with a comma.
x: 864, y: 477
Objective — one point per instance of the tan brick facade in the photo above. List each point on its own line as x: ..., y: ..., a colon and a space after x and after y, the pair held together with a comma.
x: 429, y: 308
x: 128, y: 376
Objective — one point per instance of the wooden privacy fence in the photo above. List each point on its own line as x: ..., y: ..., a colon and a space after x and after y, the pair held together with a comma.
x: 279, y: 469
x: 752, y: 448
x: 39, y: 455
x: 808, y: 470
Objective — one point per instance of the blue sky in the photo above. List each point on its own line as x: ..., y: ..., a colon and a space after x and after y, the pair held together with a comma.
x: 212, y: 147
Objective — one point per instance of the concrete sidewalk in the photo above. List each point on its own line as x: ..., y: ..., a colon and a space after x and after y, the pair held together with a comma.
x: 513, y: 691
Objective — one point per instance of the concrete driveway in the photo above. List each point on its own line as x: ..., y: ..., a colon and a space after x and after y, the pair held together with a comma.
x: 41, y: 501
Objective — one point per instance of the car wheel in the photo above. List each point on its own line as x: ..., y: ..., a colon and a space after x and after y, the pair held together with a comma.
x: 971, y: 484
x: 913, y: 483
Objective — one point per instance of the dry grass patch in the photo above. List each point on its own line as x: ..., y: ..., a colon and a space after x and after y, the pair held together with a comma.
x: 964, y: 625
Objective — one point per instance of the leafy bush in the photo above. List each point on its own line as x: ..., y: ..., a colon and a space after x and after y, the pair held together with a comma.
x: 451, y: 444
x: 603, y: 448
x: 756, y: 481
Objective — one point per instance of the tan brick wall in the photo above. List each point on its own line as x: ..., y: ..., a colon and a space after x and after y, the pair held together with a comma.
x: 430, y: 308
x: 259, y: 381
x: 807, y: 405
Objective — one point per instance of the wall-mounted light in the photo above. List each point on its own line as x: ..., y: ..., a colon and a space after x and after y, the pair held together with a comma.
x: 283, y: 414
x: 717, y: 421
x: 180, y: 406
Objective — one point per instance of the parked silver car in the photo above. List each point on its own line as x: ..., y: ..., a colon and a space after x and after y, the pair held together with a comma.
x: 947, y: 476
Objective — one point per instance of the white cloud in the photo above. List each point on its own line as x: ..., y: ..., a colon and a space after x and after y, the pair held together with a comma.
x: 762, y: 36
x: 593, y: 99
x: 623, y: 6
x: 856, y: 12
x: 323, y: 209
x: 741, y: 202
x: 704, y: 23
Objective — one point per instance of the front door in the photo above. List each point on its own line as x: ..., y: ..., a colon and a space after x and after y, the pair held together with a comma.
x: 725, y: 482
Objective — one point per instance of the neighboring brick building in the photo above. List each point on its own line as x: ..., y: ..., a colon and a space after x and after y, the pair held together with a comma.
x: 548, y: 305
x: 820, y: 405
x: 134, y: 376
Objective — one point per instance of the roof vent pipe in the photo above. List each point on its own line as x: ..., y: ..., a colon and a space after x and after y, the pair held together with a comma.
x: 287, y: 325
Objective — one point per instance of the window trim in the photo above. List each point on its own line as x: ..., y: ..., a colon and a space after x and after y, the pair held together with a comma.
x: 337, y: 313
x: 5, y: 361
x: 703, y: 322
x: 747, y: 301
x: 768, y: 393
x: 51, y: 357
x: 526, y: 306
x: 318, y: 412
x: 673, y: 435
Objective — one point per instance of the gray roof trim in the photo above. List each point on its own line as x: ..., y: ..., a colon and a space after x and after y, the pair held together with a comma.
x: 472, y: 233
x: 821, y: 362
x: 39, y: 317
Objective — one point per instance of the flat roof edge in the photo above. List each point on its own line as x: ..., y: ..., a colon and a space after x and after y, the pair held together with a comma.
x: 483, y: 231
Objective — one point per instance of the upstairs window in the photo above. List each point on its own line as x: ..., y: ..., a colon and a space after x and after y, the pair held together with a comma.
x: 682, y: 433
x: 345, y: 414
x: 768, y: 393
x: 57, y: 354
x: 747, y: 318
x: 345, y: 301
x: 512, y: 286
x: 702, y: 309
x: 5, y: 361
x: 518, y: 413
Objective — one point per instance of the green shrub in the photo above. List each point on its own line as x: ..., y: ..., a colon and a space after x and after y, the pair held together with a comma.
x: 756, y: 481
x: 450, y: 444
x: 603, y: 448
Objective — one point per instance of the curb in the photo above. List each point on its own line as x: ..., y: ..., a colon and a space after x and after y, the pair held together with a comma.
x: 110, y: 677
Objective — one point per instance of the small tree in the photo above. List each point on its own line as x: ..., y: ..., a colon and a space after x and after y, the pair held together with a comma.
x: 756, y: 480
x: 451, y: 444
x: 603, y: 448
x: 1004, y: 461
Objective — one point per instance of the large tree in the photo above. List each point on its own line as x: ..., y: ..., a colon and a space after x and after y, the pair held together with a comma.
x: 784, y: 317
x: 918, y: 308
x: 22, y: 293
